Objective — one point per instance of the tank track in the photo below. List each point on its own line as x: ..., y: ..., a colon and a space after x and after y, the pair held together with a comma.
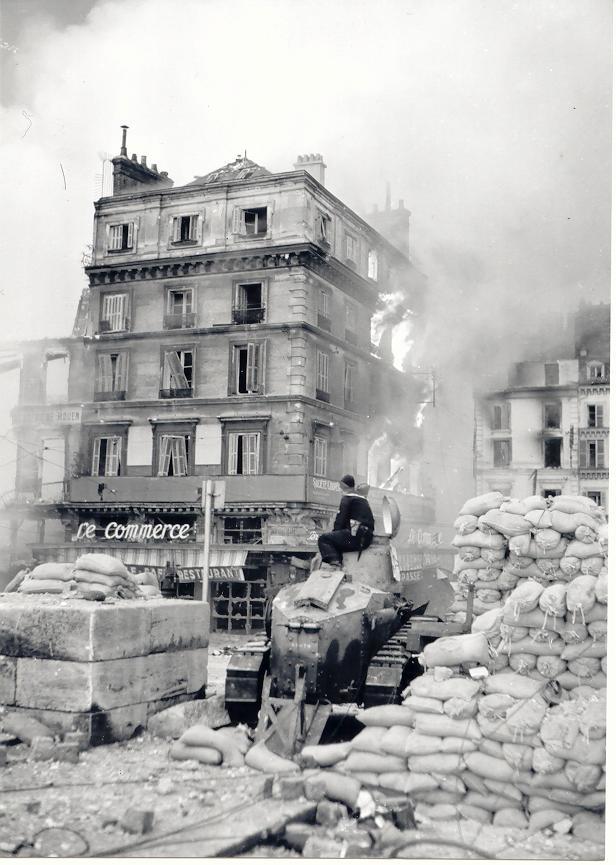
x: 388, y: 671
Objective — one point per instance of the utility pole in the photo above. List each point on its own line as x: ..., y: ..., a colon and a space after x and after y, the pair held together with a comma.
x: 206, y: 506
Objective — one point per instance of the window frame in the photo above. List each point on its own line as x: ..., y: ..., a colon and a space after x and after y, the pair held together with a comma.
x: 238, y: 217
x: 131, y: 236
x: 125, y: 315
x: 260, y: 346
x: 545, y: 452
x: 195, y: 222
x: 497, y: 446
x: 322, y: 377
x: 600, y: 455
x: 558, y: 415
x: 185, y: 429
x: 324, y: 227
x: 351, y: 247
x: 177, y: 321
x: 237, y: 309
x: 350, y: 384
x: 320, y: 456
x: 373, y: 265
x: 179, y: 349
x: 115, y: 392
x: 106, y: 431
x: 599, y: 416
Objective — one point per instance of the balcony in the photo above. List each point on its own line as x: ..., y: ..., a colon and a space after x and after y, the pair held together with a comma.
x: 176, y: 321
x: 324, y: 322
x: 322, y: 395
x: 254, y: 315
x: 109, y: 395
x: 594, y: 432
x: 175, y: 393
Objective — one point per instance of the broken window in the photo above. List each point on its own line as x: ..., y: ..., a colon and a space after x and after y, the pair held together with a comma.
x: 106, y: 456
x: 595, y: 416
x: 551, y: 493
x: 252, y: 221
x: 243, y: 530
x: 551, y: 452
x: 111, y: 374
x: 121, y: 237
x: 243, y: 453
x: 597, y: 372
x: 173, y: 456
x: 324, y: 227
x: 502, y: 453
x: 185, y: 228
x: 249, y: 368
x: 249, y: 303
x: 320, y: 457
x: 177, y: 376
x: 552, y: 415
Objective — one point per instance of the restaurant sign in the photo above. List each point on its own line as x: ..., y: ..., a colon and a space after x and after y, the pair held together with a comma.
x: 189, y: 575
x: 136, y: 532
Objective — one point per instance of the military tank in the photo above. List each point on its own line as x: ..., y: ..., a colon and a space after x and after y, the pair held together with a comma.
x: 342, y: 636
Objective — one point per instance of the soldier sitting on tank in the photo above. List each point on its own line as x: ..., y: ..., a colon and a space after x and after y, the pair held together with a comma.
x: 353, y: 526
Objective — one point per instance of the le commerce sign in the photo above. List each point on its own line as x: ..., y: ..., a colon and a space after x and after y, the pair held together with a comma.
x: 136, y: 532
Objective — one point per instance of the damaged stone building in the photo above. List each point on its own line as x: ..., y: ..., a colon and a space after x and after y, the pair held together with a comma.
x: 226, y: 333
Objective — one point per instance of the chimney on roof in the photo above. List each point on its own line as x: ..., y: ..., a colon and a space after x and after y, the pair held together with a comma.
x: 131, y: 174
x: 312, y: 163
x: 123, y: 150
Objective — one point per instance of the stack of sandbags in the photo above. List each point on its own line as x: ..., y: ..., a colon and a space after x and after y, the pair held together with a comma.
x: 54, y: 578
x: 213, y: 747
x: 99, y: 576
x: 480, y: 555
x: 148, y: 584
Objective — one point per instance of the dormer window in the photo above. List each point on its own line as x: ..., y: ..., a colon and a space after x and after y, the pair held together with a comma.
x: 121, y: 237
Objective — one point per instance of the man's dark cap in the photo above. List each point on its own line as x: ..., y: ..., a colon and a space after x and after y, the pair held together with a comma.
x: 348, y: 481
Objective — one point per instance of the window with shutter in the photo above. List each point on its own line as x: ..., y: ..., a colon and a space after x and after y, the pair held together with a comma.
x: 373, y: 265
x: 105, y: 371
x: 243, y: 453
x: 114, y: 308
x: 349, y: 383
x: 320, y: 457
x: 502, y: 453
x: 249, y: 367
x: 322, y: 375
x: 177, y: 373
x: 106, y: 456
x: 232, y: 445
x: 595, y: 416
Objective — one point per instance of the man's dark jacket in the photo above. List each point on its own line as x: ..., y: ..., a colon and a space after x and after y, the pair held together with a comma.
x: 353, y: 507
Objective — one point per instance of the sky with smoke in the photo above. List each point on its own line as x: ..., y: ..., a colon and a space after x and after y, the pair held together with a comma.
x: 490, y: 118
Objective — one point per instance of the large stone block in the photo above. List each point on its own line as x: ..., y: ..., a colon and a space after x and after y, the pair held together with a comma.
x: 45, y: 626
x: 8, y: 679
x: 79, y: 686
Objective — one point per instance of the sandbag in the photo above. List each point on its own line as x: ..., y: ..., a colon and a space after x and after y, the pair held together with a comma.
x: 597, y: 613
x: 533, y: 647
x: 472, y: 812
x: 52, y: 571
x: 547, y: 539
x: 553, y: 600
x: 518, y: 756
x: 524, y: 546
x: 506, y: 581
x: 440, y: 797
x: 456, y: 745
x: 592, y: 719
x: 522, y: 662
x: 513, y: 817
x: 477, y: 564
x: 581, y: 594
x: 469, y: 554
x: 576, y: 505
x: 418, y: 744
x: 586, y: 535
x: 527, y: 715
x: 598, y: 631
x: 537, y: 803
x: 583, y: 778
x: 43, y: 587
x: 574, y: 633
x: 505, y: 524
x: 593, y: 565
x: 386, y: 716
x: 362, y: 761
x: 480, y: 505
x: 208, y: 756
x: 340, y: 788
x: 493, y: 556
x: 513, y: 506
x: 601, y: 587
x: 101, y: 563
x: 435, y: 813
x: 487, y: 596
x: 581, y: 550
x: 457, y: 708
x: 494, y: 706
x: 589, y: 827
x: 394, y: 741
x: 544, y: 819
x: 489, y: 802
x: 500, y: 731
x: 202, y: 736
x: 480, y: 540
x: 570, y: 566
x: 549, y: 567
x: 567, y: 524
x: 427, y: 686
x: 585, y: 668
x: 545, y: 763
x: 604, y: 665
x: 326, y: 755
x: 588, y: 649
x: 516, y: 686
x: 523, y: 599
x: 488, y: 624
x: 369, y: 739
x: 424, y: 704
x: 459, y: 649
x: 550, y: 666
x: 441, y: 725
x: 490, y: 767
x: 407, y: 782
x: 465, y: 524
x: 587, y: 751
x: 474, y: 782
x: 261, y: 758
x: 540, y: 519
x: 449, y: 764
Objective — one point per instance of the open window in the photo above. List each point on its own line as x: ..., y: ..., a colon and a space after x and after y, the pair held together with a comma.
x: 179, y: 310
x: 597, y: 372
x: 106, y: 456
x: 185, y: 228
x: 323, y: 228
x: 250, y: 221
x: 595, y: 495
x: 177, y: 373
x: 592, y: 454
x: 247, y: 374
x: 174, y: 454
x: 111, y: 375
x: 552, y: 418
x: 595, y: 416
x: 249, y: 303
x: 243, y: 453
x: 552, y: 449
x: 501, y: 416
x: 120, y: 237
